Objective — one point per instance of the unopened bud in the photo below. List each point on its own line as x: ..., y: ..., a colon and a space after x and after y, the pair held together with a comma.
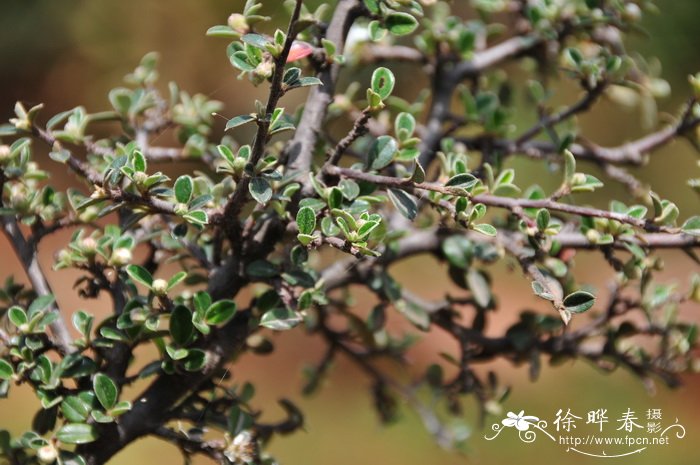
x: 238, y: 23
x: 159, y: 287
x: 593, y: 235
x: 121, y: 257
x: 578, y: 179
x: 47, y: 453
x: 265, y: 69
x: 632, y: 12
x: 5, y: 153
x: 89, y: 245
x: 181, y: 209
x: 140, y: 177
x: 90, y: 214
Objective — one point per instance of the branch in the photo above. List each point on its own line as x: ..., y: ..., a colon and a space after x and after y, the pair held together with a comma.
x: 548, y: 121
x: 359, y: 128
x: 236, y: 201
x: 495, y: 55
x: 511, y: 204
x: 300, y: 149
x: 630, y: 153
x: 444, y: 83
x: 28, y: 256
x: 373, y: 53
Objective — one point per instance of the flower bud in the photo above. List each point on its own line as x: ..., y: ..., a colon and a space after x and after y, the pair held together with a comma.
x: 593, y: 235
x: 632, y: 12
x: 89, y: 215
x: 264, y: 70
x: 159, y: 287
x: 47, y: 454
x: 121, y: 257
x: 88, y: 246
x: 578, y: 179
x: 181, y: 209
x: 5, y: 154
x: 140, y: 177
x: 238, y: 23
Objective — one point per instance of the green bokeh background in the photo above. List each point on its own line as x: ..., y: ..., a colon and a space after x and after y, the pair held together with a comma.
x: 72, y: 52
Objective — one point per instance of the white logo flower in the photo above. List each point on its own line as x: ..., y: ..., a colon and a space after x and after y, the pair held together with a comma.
x: 520, y: 421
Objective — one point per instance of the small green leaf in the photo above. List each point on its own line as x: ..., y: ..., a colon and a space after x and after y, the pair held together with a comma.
x: 256, y: 40
x: 181, y: 327
x: 479, y: 286
x: 458, y: 250
x: 41, y: 303
x: 184, y: 186
x: 226, y: 154
x: 569, y: 167
x: 485, y: 229
x: 306, y: 220
x: 197, y: 217
x: 140, y: 275
x: 75, y: 409
x: 196, y: 360
x: 543, y: 218
x: 280, y: 319
x: 261, y: 269
x: 579, y: 301
x: 105, y: 390
x: 220, y: 312
x: 382, y: 152
x: 222, y: 31
x: 383, y: 82
x: 692, y: 226
x: 464, y: 180
x: 405, y: 203
x: 177, y: 279
x: 404, y: 126
x: 415, y: 314
x: 17, y: 316
x: 400, y: 23
x: 6, y: 370
x: 77, y: 433
x: 239, y: 121
x: 260, y: 190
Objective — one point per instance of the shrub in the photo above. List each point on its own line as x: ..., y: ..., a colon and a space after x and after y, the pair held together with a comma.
x: 411, y: 176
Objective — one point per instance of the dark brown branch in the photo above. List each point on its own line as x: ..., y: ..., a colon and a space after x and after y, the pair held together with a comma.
x: 236, y: 201
x: 512, y: 204
x: 300, y: 150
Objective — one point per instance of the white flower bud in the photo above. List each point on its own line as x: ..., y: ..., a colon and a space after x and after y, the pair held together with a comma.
x: 139, y: 177
x: 121, y: 257
x: 159, y: 287
x: 47, y: 453
x: 5, y: 153
x: 238, y: 23
x: 89, y: 246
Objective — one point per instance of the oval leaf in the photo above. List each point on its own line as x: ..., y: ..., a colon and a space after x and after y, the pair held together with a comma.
x: 401, y: 23
x: 579, y: 301
x: 140, y: 275
x: 77, y: 433
x: 383, y: 82
x: 382, y: 152
x: 220, y: 312
x: 105, y: 390
x: 280, y: 319
x: 184, y: 186
x: 306, y: 220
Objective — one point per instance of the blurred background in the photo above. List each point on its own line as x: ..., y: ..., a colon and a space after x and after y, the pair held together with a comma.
x: 70, y: 52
